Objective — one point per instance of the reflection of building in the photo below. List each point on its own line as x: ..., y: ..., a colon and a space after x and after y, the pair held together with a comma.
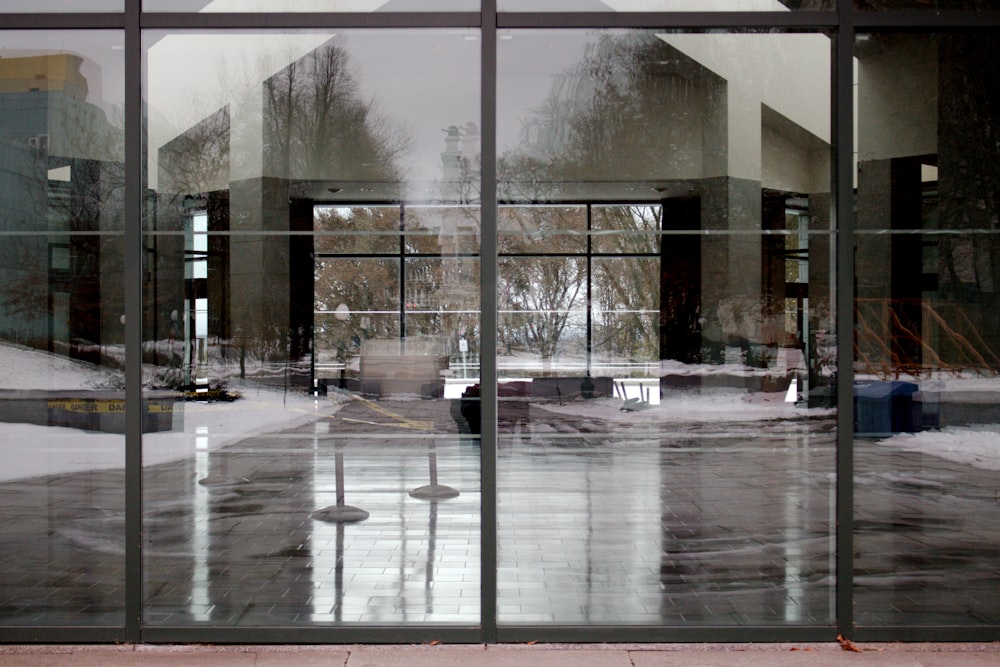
x: 62, y: 177
x: 922, y: 294
x: 737, y: 170
x: 257, y: 293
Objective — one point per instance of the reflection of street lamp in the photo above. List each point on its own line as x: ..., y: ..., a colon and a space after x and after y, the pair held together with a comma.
x: 342, y: 313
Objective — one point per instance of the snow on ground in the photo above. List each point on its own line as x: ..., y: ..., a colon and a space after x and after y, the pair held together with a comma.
x: 27, y: 368
x: 688, y: 406
x: 31, y: 450
x: 976, y: 446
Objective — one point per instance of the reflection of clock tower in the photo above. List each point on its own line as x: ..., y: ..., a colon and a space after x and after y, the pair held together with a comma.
x: 451, y: 158
x: 459, y: 233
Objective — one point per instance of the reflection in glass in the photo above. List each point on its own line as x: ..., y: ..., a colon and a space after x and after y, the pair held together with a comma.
x: 62, y: 402
x: 926, y: 336
x: 665, y: 303
x: 542, y: 304
x: 626, y: 229
x: 313, y: 306
x: 527, y: 229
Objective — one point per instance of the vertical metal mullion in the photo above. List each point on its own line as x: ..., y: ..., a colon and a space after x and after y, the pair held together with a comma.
x: 133, y: 322
x: 488, y: 323
x: 590, y: 265
x: 843, y: 110
x: 402, y: 273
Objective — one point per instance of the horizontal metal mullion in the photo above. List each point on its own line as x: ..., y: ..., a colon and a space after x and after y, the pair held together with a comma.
x: 396, y: 255
x: 576, y: 201
x: 579, y: 255
x: 317, y: 634
x: 60, y: 21
x: 923, y: 633
x: 926, y: 20
x: 705, y: 20
x: 665, y: 634
x: 61, y: 635
x: 304, y: 20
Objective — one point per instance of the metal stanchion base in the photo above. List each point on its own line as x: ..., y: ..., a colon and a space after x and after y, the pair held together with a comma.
x: 434, y: 492
x: 222, y: 482
x: 339, y: 514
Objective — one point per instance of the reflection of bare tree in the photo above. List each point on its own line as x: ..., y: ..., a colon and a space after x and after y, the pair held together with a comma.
x: 544, y: 294
x: 367, y: 286
x: 602, y: 119
x: 318, y: 126
x: 970, y: 176
x: 199, y: 158
x: 315, y: 125
x: 541, y: 292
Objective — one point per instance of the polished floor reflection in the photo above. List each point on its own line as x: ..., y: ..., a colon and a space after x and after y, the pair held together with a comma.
x: 927, y: 539
x: 637, y: 521
x: 251, y: 546
x: 666, y: 523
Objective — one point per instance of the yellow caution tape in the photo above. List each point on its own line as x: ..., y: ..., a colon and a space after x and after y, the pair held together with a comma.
x: 103, y: 406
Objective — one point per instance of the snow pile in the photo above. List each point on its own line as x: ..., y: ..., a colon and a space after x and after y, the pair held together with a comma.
x: 977, y: 446
x: 30, y: 450
x: 690, y: 406
x: 27, y: 368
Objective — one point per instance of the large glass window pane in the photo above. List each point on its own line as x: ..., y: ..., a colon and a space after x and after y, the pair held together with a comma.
x: 310, y: 5
x: 312, y: 305
x: 927, y: 395
x: 61, y: 329
x: 665, y: 362
x: 521, y: 229
x: 662, y: 5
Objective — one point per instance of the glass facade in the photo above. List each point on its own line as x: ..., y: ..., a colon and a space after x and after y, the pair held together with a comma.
x: 412, y: 322
x: 62, y: 429
x: 639, y: 355
x: 926, y: 331
x: 313, y: 269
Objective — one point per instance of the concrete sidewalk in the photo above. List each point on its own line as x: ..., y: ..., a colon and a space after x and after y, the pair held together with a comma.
x: 510, y: 655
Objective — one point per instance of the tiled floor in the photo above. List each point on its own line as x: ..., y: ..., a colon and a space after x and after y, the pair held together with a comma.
x: 707, y: 524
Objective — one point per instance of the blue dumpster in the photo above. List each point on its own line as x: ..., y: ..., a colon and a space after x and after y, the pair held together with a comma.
x: 885, y: 408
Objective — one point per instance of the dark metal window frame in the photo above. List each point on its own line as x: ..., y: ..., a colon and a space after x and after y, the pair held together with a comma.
x: 842, y: 24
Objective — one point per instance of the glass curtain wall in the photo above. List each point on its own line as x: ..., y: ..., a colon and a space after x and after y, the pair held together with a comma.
x: 666, y: 416
x: 499, y: 321
x: 927, y: 406
x: 311, y: 306
x: 62, y: 329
